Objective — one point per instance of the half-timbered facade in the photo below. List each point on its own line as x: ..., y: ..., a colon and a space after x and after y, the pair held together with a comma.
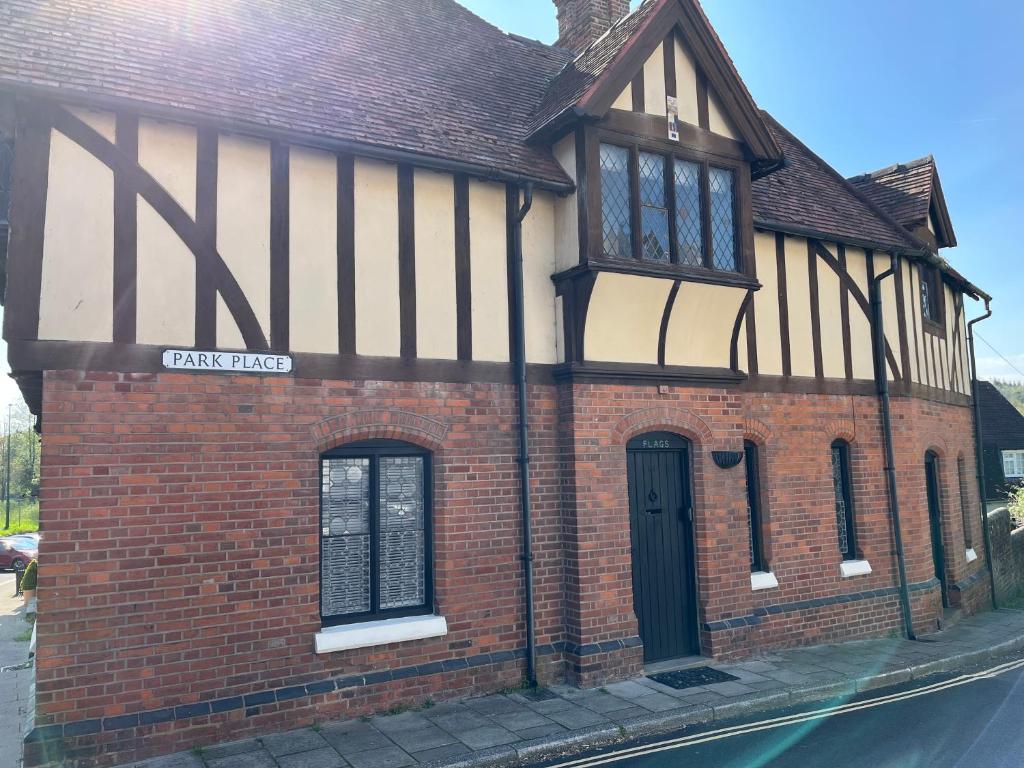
x: 282, y: 286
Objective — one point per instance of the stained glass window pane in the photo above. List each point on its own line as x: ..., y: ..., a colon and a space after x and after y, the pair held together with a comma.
x: 345, y: 540
x: 839, y: 485
x: 402, y: 553
x: 653, y: 213
x: 615, y: 202
x: 689, y: 226
x: 723, y: 229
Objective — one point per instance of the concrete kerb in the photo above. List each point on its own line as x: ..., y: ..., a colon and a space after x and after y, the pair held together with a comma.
x: 665, y: 722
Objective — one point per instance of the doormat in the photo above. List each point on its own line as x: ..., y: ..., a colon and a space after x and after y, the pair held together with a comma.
x: 690, y: 678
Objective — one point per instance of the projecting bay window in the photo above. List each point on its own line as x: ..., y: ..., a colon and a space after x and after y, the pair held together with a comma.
x: 842, y: 485
x: 375, y: 548
x: 660, y: 208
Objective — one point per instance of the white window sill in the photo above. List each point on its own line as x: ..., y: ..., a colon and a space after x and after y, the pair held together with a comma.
x: 850, y: 568
x: 971, y: 555
x: 368, y: 634
x: 761, y: 580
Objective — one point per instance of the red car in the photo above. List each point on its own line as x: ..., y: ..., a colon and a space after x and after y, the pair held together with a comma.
x: 15, y: 554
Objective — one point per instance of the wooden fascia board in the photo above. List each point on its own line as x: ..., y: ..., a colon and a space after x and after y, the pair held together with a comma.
x: 942, y: 219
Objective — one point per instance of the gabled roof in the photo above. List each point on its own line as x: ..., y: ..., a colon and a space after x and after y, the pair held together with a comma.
x: 909, y: 192
x: 808, y: 196
x: 1002, y: 424
x: 588, y: 85
x: 421, y: 76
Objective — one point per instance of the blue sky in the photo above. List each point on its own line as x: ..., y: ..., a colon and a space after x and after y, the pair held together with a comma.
x: 874, y: 82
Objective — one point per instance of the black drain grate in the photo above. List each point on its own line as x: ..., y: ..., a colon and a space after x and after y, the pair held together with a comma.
x: 690, y: 678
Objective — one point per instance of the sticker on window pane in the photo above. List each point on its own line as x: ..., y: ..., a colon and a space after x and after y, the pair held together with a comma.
x: 653, y: 213
x: 615, y: 205
x: 723, y: 228
x: 402, y: 555
x: 689, y: 230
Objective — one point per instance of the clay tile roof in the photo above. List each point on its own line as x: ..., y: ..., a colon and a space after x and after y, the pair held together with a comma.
x: 904, y: 191
x: 809, y: 194
x: 1002, y: 424
x: 424, y: 76
x: 578, y: 75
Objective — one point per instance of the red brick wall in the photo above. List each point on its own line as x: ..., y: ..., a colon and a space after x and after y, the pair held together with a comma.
x: 180, y: 560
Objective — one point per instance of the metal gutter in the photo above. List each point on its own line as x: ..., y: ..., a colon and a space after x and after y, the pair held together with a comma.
x: 979, y: 459
x: 882, y: 380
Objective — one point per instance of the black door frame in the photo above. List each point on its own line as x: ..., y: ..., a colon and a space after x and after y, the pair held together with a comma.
x: 933, y: 492
x: 662, y: 441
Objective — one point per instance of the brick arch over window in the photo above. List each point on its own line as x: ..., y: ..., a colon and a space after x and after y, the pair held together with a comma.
x: 841, y: 429
x: 756, y: 431
x: 936, y: 444
x: 668, y: 419
x: 379, y: 424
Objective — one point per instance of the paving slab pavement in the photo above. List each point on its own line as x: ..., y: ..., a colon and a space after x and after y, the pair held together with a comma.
x: 513, y: 729
x: 16, y: 684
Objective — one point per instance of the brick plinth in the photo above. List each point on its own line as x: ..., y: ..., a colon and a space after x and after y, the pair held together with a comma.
x: 178, y: 593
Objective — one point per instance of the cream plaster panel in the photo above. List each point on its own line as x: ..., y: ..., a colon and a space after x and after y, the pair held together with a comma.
x: 378, y: 321
x: 742, y: 358
x: 700, y: 328
x: 166, y: 283
x: 766, y: 306
x: 489, y: 271
x: 801, y: 341
x: 913, y: 343
x: 167, y: 151
x: 890, y: 318
x: 567, y: 229
x: 436, y: 316
x: 624, y: 100
x: 104, y: 123
x: 686, y: 93
x: 717, y: 120
x: 860, y: 325
x: 313, y: 251
x: 654, y: 83
x: 559, y: 330
x: 965, y: 361
x: 624, y: 318
x: 831, y: 318
x: 538, y: 290
x: 243, y: 229
x: 950, y: 347
x: 931, y: 223
x: 77, y: 291
x: 166, y: 268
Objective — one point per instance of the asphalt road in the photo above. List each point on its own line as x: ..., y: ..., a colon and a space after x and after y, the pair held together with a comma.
x: 964, y: 721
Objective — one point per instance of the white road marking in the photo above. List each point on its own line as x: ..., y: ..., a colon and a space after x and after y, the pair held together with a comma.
x: 781, y: 722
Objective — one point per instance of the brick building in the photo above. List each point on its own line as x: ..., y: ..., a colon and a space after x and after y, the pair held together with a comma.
x: 283, y: 285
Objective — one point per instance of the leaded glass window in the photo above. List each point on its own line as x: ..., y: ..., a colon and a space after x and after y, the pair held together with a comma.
x: 689, y: 223
x: 654, y: 244
x: 723, y: 227
x: 844, y: 501
x: 375, y: 535
x: 615, y: 202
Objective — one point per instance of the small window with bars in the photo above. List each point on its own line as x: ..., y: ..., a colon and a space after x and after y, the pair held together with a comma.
x: 375, y: 549
x: 755, y: 523
x: 842, y: 486
x: 666, y: 209
x: 931, y: 294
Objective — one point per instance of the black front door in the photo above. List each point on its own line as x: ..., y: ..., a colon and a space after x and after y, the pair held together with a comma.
x: 661, y: 530
x: 931, y: 471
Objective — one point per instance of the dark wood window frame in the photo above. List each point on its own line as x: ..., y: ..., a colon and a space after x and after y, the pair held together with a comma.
x: 844, y: 493
x: 932, y: 321
x: 374, y: 450
x: 742, y: 215
x: 755, y: 505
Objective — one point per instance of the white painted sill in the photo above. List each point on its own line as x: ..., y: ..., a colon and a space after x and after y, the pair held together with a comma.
x: 849, y: 568
x: 368, y: 634
x: 971, y: 555
x: 762, y: 580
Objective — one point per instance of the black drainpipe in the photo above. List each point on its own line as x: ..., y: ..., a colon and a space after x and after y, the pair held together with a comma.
x: 882, y: 380
x: 978, y: 457
x: 524, y: 436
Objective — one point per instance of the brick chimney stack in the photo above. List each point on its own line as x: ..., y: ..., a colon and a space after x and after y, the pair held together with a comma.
x: 581, y: 22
